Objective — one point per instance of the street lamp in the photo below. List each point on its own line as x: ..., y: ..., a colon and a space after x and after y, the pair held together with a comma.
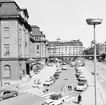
x: 94, y: 22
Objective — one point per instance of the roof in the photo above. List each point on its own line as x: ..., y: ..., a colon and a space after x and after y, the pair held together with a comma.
x: 6, y: 0
x: 34, y: 26
x: 9, y: 7
x: 36, y: 31
x: 73, y: 42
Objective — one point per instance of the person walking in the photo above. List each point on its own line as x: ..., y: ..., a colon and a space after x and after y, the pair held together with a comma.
x: 79, y: 99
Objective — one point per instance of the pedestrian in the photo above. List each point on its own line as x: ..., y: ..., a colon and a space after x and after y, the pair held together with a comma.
x: 79, y: 99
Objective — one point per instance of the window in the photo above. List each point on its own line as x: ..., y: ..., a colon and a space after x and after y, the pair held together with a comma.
x: 6, y: 32
x: 37, y: 47
x: 6, y: 49
x: 7, y: 71
x: 37, y: 54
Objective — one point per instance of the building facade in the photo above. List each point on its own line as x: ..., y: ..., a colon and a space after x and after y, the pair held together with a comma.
x: 14, y: 40
x: 40, y: 44
x: 20, y: 43
x: 101, y: 48
x: 65, y: 49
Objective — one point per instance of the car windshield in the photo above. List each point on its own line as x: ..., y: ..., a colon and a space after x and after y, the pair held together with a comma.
x: 80, y: 84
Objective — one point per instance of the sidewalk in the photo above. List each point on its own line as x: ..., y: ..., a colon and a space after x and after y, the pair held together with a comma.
x: 101, y: 65
x: 45, y: 73
x: 15, y: 84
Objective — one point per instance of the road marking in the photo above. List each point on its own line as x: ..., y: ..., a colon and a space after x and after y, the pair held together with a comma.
x: 69, y: 99
x: 37, y: 92
x: 40, y: 94
x: 65, y: 97
x: 34, y: 91
x: 48, y: 94
x: 28, y: 90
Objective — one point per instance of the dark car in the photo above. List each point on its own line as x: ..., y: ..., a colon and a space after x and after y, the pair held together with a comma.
x: 7, y: 94
x: 56, y: 75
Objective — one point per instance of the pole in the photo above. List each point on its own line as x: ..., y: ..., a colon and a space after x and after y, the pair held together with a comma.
x: 95, y: 65
x: 0, y: 60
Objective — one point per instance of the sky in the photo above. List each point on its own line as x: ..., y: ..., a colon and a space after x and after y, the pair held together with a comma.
x: 67, y: 18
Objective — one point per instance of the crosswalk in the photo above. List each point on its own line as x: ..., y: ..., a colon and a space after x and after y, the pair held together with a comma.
x: 39, y: 92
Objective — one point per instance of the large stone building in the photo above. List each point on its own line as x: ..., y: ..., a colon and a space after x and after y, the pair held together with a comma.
x: 65, y: 50
x: 17, y: 41
x: 40, y: 44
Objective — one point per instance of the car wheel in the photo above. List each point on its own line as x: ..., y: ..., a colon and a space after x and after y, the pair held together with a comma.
x: 1, y: 99
x: 15, y: 94
x: 63, y: 101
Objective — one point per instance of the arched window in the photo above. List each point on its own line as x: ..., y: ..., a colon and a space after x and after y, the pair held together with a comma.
x: 7, y: 71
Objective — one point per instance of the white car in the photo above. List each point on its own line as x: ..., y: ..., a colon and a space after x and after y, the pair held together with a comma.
x: 81, y: 86
x: 64, y: 68
x: 80, y: 69
x: 48, y: 82
x: 54, y: 99
x: 72, y: 64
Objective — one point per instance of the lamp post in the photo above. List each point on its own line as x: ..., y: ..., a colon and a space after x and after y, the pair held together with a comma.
x: 94, y: 22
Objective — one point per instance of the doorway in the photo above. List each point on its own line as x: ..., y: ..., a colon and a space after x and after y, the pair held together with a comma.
x: 27, y: 69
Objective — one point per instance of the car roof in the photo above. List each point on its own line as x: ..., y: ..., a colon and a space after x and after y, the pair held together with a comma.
x: 3, y: 90
x: 56, y: 94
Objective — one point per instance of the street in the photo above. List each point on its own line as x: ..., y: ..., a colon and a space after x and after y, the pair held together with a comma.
x: 29, y: 96
x: 34, y: 96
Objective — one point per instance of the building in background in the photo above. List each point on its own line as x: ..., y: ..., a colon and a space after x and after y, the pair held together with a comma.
x: 65, y: 50
x: 40, y: 44
x: 100, y: 52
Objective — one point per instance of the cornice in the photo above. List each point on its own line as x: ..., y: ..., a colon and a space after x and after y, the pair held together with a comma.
x: 18, y: 17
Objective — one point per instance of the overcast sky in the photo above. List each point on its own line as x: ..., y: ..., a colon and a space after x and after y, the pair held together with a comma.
x: 67, y: 18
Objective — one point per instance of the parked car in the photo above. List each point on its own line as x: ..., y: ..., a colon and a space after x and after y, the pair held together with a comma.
x: 56, y: 75
x: 54, y: 99
x: 79, y: 72
x: 48, y: 82
x: 81, y: 86
x: 80, y: 76
x: 64, y: 67
x: 82, y: 79
x: 80, y: 69
x: 7, y: 94
x: 58, y: 70
x: 72, y: 63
